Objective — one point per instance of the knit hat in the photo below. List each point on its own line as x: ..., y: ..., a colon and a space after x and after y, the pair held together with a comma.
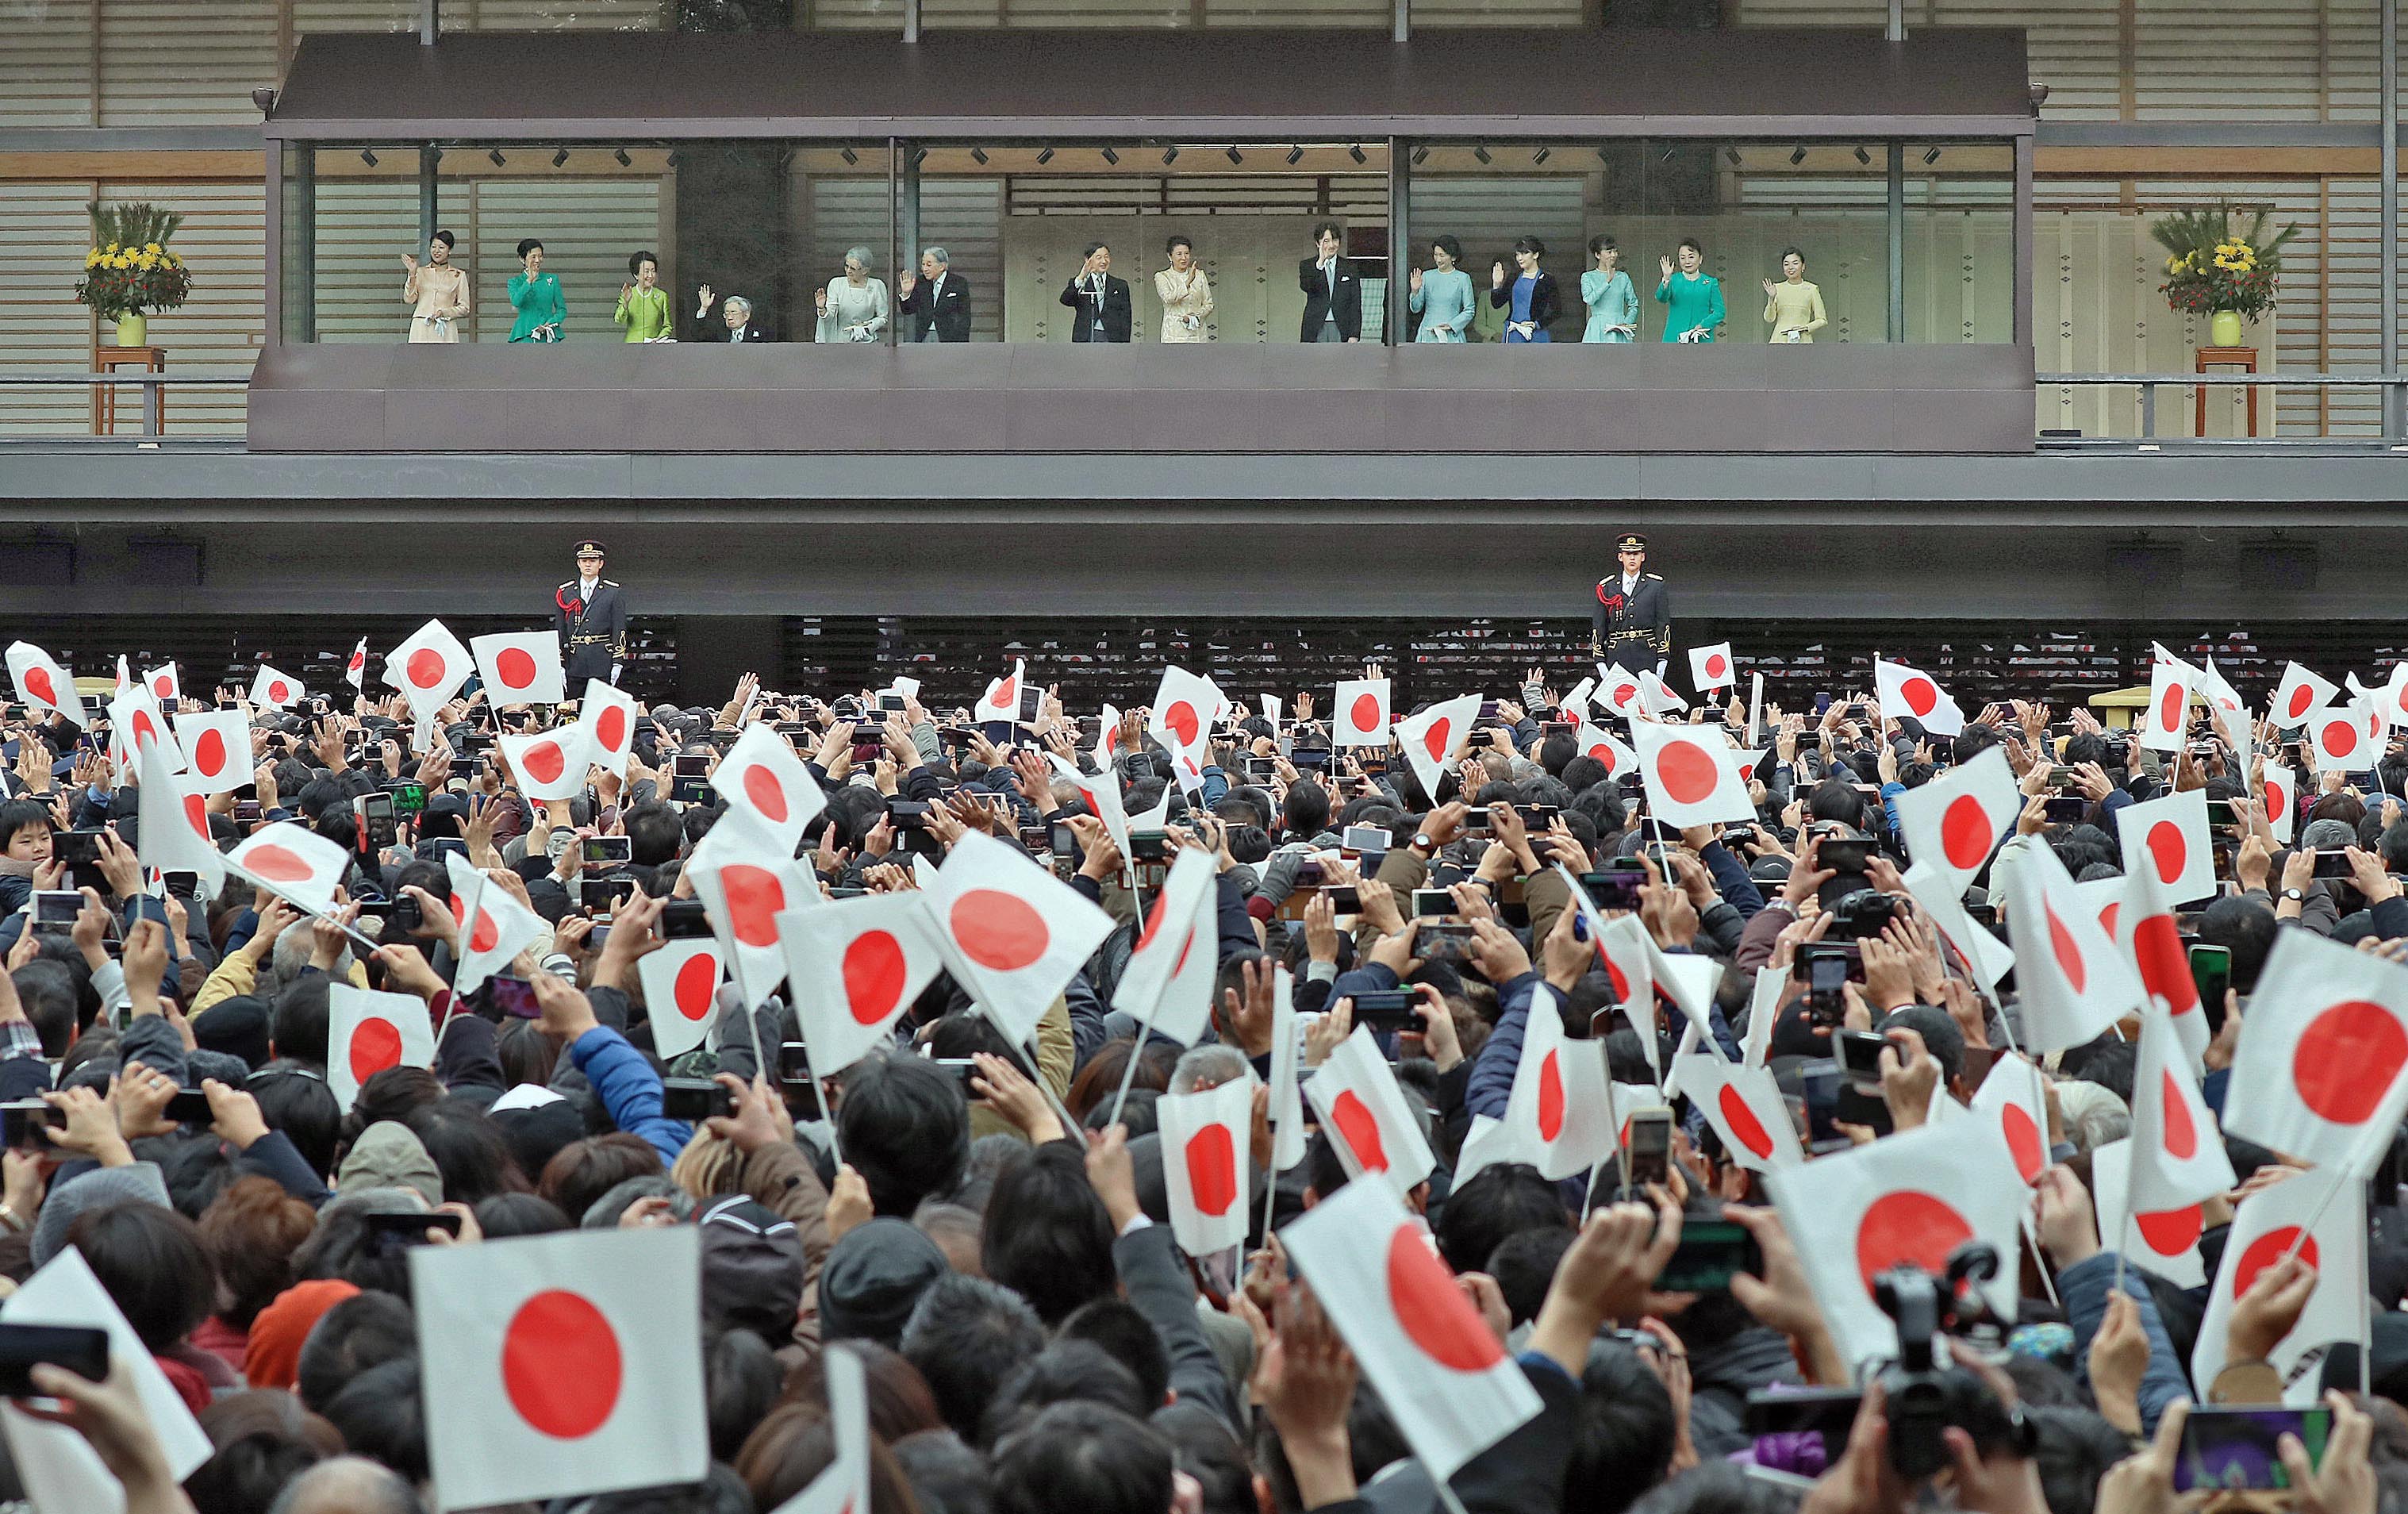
x: 271, y: 1356
x: 389, y: 1153
x: 238, y: 1026
x: 752, y: 1269
x: 873, y: 1278
x: 101, y: 1187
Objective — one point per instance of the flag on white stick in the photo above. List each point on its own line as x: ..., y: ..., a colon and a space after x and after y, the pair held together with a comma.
x: 1001, y: 700
x: 2317, y: 1075
x: 1905, y: 691
x: 2177, y: 1156
x: 2265, y: 1227
x: 273, y: 690
x: 1359, y: 713
x: 549, y: 764
x: 1205, y: 1140
x: 166, y: 687
x: 520, y: 667
x: 1690, y: 775
x: 2072, y: 981
x: 429, y: 667
x: 1595, y: 741
x: 2167, y: 839
x: 1988, y: 956
x: 2014, y: 1102
x: 1364, y: 1111
x: 2165, y: 722
x: 852, y: 967
x: 1658, y: 696
x: 2299, y: 694
x: 1101, y: 793
x: 292, y: 862
x: 1711, y: 667
x: 2165, y: 1242
x: 1168, y: 983
x: 1557, y: 1110
x: 761, y: 774
x: 2347, y: 738
x: 497, y: 930
x: 217, y: 749
x: 682, y: 992
x: 355, y: 667
x: 1288, y: 1144
x: 1744, y: 1106
x: 1618, y: 690
x: 43, y: 681
x: 609, y: 717
x: 2153, y: 937
x: 2279, y: 790
x: 173, y: 822
x: 1014, y: 935
x: 1185, y: 707
x: 367, y: 1032
x: 746, y: 878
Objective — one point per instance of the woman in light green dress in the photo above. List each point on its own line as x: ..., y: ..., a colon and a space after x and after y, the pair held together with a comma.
x: 1443, y: 296
x: 1611, y: 300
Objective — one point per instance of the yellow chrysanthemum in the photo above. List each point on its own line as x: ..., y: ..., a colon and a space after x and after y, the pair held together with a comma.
x: 92, y: 258
x: 112, y: 247
x: 152, y: 247
x: 146, y: 263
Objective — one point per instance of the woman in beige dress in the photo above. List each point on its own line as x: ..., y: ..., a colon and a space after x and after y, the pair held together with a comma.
x: 437, y: 293
x: 1185, y: 294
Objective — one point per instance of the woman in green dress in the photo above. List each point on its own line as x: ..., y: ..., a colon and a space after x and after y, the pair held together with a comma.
x: 536, y: 296
x: 643, y: 304
x: 1693, y: 299
x: 1443, y: 296
x: 1611, y: 300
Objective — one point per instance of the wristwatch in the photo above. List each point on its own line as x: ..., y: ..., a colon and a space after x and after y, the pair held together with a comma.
x: 2296, y: 896
x: 1423, y: 846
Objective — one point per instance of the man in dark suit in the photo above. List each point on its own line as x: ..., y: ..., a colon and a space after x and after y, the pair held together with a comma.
x: 1333, y: 296
x: 738, y: 324
x: 588, y: 614
x: 937, y: 302
x: 1631, y: 623
x: 1102, y: 300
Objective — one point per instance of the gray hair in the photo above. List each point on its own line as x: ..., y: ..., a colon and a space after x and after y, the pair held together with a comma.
x: 2094, y: 1116
x: 860, y: 255
x: 1209, y: 1066
x: 735, y: 300
x: 939, y: 255
x: 291, y: 957
x: 351, y: 1483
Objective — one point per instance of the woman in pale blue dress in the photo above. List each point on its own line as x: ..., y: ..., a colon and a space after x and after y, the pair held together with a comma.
x: 1611, y: 300
x: 1443, y: 296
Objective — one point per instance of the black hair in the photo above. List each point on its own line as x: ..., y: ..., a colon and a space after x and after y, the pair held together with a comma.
x: 1203, y: 1448
x: 1714, y: 1488
x: 1329, y: 228
x: 1530, y: 245
x: 1093, y: 247
x: 906, y: 1130
x: 655, y: 834
x: 1622, y: 1438
x: 23, y: 815
x: 380, y: 1417
x: 506, y: 1215
x: 47, y: 993
x: 151, y: 1262
x: 445, y: 238
x: 967, y: 1336
x: 1500, y: 1202
x: 1694, y: 245
x: 468, y: 1149
x: 1524, y: 1265
x: 1073, y: 1371
x: 1789, y: 253
x: 526, y: 246
x: 2073, y: 1449
x: 741, y: 1376
x: 1048, y: 1235
x: 294, y: 1099
x: 1177, y: 239
x: 1602, y: 244
x: 360, y: 1332
x: 304, y: 1019
x: 1941, y: 1035
x: 1120, y: 1327
x: 1305, y: 812
x: 2246, y: 928
x: 1449, y: 245
x: 1086, y: 1457
x: 635, y: 261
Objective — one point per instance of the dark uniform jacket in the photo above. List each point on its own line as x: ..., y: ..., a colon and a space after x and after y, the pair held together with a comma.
x: 593, y: 635
x: 1636, y: 629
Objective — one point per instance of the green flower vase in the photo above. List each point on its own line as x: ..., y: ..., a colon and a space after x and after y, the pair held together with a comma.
x: 2224, y: 328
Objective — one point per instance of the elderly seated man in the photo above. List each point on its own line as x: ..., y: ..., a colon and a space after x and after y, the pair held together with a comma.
x: 740, y: 326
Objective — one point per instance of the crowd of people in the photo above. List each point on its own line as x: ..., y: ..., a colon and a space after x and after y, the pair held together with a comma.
x: 856, y: 307
x: 995, y: 1240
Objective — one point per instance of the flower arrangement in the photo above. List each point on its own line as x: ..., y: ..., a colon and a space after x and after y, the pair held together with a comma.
x: 2214, y: 266
x: 129, y: 268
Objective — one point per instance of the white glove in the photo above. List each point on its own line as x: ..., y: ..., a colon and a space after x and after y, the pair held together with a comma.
x: 618, y: 668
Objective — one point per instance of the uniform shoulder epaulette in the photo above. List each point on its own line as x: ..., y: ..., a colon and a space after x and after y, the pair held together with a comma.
x: 570, y: 585
x: 1654, y: 578
x: 606, y: 583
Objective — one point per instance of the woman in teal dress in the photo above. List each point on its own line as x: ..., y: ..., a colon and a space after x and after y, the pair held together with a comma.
x: 536, y: 296
x: 1693, y: 299
x: 1611, y: 300
x: 1443, y: 296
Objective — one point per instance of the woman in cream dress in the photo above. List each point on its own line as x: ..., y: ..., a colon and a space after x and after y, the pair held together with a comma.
x: 437, y: 292
x: 1185, y: 294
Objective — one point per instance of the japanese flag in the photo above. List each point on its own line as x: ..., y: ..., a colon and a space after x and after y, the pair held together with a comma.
x: 2299, y: 694
x: 549, y: 764
x: 1711, y: 667
x: 1911, y: 1198
x: 1365, y: 1112
x: 2317, y: 1075
x: 292, y: 862
x: 2072, y: 981
x: 2014, y: 1102
x: 2221, y: 694
x: 609, y: 717
x: 1435, y: 737
x: 1014, y: 935
x: 1954, y: 821
x: 1101, y: 794
x: 761, y: 774
x: 1904, y: 691
x: 1627, y: 955
x: 1596, y: 742
x: 2167, y: 839
x: 2165, y: 1241
x: 1690, y: 774
x: 164, y: 686
x: 2349, y: 737
x: 1744, y: 1106
x: 1557, y: 1107
x: 562, y: 1364
x: 1185, y: 707
x: 1658, y: 695
x: 1360, y: 712
x: 1984, y: 955
x: 2177, y: 1156
x: 1168, y: 984
x: 2279, y: 790
x: 1289, y: 1143
x: 2154, y: 938
x: 273, y: 690
x: 842, y: 1486
x: 1618, y: 690
x: 2264, y: 1227
x: 1450, y: 1385
x: 682, y: 992
x: 43, y: 682
x: 853, y: 967
x: 429, y: 667
x: 367, y: 1033
x: 217, y: 749
x: 1205, y: 1140
x: 173, y: 822
x: 1108, y: 735
x: 1001, y: 700
x: 1765, y: 997
x: 496, y: 929
x: 2392, y: 698
x: 2166, y: 720
x: 746, y: 878
x: 355, y: 668
x: 520, y: 667
x: 138, y: 720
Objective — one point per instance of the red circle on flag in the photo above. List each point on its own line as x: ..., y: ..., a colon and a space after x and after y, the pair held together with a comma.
x: 1364, y: 715
x: 2170, y: 708
x: 515, y: 666
x: 1212, y: 1169
x: 2346, y: 1058
x: 1966, y: 832
x: 1439, y: 738
x: 424, y: 669
x: 2164, y: 962
x: 2274, y: 800
x: 1744, y: 1126
x: 278, y: 692
x: 1360, y: 1130
x: 2169, y: 850
x: 486, y: 933
x: 2182, y: 1136
x: 1551, y: 1097
x: 38, y: 685
x: 1153, y: 919
x: 1614, y: 973
x: 754, y: 896
x: 1180, y: 720
x: 1908, y: 1226
x: 544, y: 761
x: 611, y: 728
x: 375, y: 1044
x: 210, y: 752
x: 2170, y: 1233
x: 697, y: 983
x: 1922, y: 696
x: 767, y: 795
x: 2108, y: 916
x: 2340, y: 737
x: 1007, y: 694
x: 1603, y: 752
x: 145, y: 729
x: 561, y: 1364
x: 2302, y: 698
x: 1434, y: 1313
x: 1688, y: 771
x: 164, y: 687
x: 2265, y: 1251
x: 197, y: 812
x: 1622, y: 695
x: 2069, y: 953
x: 2023, y: 1141
x: 277, y: 864
x: 999, y: 930
x: 1717, y: 664
x: 874, y: 969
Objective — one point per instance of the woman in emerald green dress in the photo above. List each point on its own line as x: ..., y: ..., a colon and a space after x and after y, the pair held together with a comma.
x: 536, y: 296
x: 1693, y: 299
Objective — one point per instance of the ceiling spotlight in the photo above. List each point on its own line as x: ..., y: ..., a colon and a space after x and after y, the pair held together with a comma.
x: 1356, y: 151
x: 1863, y: 157
x: 624, y: 161
x: 496, y: 155
x: 560, y: 157
x: 1295, y: 157
x: 1732, y: 153
x: 1666, y: 156
x: 1798, y: 155
x: 674, y: 159
x: 848, y: 156
x: 1930, y: 157
x: 1169, y: 156
x: 367, y: 157
x: 1044, y: 157
x: 977, y: 155
x: 1421, y: 155
x: 919, y: 156
x: 1481, y: 153
x: 266, y: 100
x: 1234, y: 156
x: 1111, y: 157
x: 1538, y: 157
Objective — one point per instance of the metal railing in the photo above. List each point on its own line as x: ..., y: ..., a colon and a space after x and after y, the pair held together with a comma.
x: 2391, y: 387
x: 154, y: 385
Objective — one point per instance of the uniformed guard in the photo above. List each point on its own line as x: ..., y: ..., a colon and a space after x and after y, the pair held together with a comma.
x: 589, y: 612
x: 1632, y: 618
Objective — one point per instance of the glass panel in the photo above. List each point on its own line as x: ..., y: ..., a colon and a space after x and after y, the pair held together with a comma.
x: 1960, y: 242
